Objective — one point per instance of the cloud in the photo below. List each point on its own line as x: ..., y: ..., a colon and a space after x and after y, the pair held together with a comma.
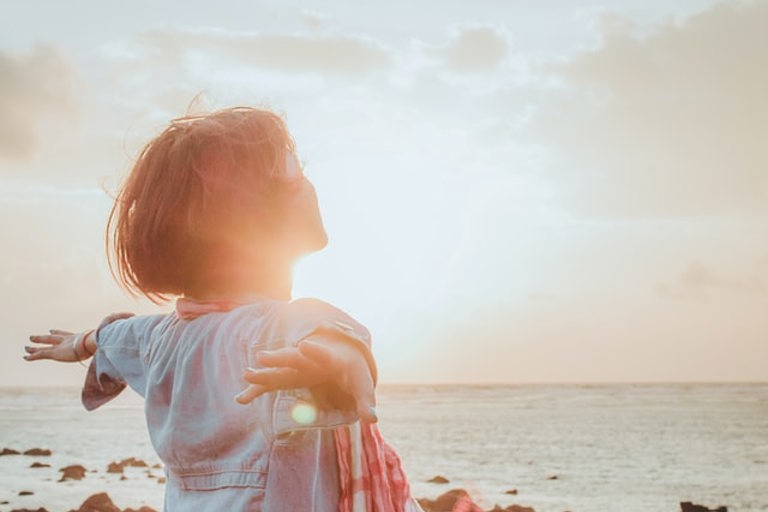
x: 325, y: 54
x: 670, y: 123
x: 476, y: 49
x: 34, y: 87
x: 314, y: 20
x: 697, y: 281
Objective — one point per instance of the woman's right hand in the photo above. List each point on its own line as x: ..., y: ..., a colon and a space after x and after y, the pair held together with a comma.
x: 64, y: 346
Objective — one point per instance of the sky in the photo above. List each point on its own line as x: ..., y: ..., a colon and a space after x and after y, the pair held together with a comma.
x: 514, y: 191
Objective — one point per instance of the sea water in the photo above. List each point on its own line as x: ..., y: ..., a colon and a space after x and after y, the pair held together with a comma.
x: 581, y: 448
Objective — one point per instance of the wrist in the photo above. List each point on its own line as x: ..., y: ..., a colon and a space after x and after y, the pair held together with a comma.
x: 89, y: 343
x: 80, y: 345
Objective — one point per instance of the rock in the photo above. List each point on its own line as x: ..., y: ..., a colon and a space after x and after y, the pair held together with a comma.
x: 438, y: 480
x: 26, y: 493
x: 161, y: 480
x: 74, y: 472
x: 123, y: 477
x: 41, y: 509
x: 455, y: 499
x: 38, y: 452
x: 114, y: 467
x: 9, y: 451
x: 157, y: 466
x: 100, y: 502
x: 553, y: 477
x: 458, y: 500
x: 511, y: 491
x: 687, y: 506
x: 39, y: 465
x: 117, y: 467
x: 134, y: 463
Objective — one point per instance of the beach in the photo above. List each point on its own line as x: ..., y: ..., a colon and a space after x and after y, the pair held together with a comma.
x: 621, y: 447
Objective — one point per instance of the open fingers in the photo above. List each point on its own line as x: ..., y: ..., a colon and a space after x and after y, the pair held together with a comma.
x: 276, y: 378
x: 36, y: 353
x: 250, y: 393
x: 322, y: 355
x: 288, y: 357
x: 47, y: 339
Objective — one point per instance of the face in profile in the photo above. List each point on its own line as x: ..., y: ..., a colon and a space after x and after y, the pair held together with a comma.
x: 305, y: 224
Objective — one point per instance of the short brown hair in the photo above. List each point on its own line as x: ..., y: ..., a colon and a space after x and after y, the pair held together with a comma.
x: 194, y: 197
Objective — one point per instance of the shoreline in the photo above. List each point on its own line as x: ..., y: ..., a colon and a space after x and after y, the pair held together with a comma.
x: 628, y: 449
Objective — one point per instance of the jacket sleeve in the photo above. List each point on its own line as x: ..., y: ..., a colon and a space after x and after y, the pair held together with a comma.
x: 119, y: 360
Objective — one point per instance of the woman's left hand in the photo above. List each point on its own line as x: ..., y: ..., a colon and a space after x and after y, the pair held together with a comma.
x: 314, y: 362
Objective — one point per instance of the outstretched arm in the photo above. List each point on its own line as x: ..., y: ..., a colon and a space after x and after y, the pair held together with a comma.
x: 65, y: 346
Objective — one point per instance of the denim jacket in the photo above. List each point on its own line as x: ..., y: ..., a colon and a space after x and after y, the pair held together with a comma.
x: 275, y: 454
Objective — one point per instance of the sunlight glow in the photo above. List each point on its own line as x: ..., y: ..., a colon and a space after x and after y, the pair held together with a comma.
x: 304, y: 413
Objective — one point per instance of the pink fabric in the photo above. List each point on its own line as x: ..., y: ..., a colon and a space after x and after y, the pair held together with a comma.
x: 189, y: 309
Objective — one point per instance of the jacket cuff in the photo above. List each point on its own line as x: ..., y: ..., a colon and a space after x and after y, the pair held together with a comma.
x: 99, y: 387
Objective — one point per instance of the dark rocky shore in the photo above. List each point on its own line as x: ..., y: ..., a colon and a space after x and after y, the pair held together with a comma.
x: 454, y: 500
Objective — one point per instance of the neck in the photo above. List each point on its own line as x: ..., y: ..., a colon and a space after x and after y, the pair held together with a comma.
x: 272, y: 280
x: 276, y: 284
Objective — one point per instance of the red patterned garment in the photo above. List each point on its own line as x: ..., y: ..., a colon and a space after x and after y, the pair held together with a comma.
x: 371, y: 475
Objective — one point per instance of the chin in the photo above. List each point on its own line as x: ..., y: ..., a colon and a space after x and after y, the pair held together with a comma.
x: 322, y: 241
x: 317, y: 241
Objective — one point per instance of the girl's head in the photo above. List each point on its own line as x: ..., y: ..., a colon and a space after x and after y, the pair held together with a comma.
x: 208, y: 202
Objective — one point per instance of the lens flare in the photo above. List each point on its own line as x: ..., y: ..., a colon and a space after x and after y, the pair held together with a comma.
x: 304, y: 413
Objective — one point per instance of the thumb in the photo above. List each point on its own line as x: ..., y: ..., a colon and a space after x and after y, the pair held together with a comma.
x: 361, y: 388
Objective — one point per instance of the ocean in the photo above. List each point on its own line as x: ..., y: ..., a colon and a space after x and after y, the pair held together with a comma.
x: 577, y: 448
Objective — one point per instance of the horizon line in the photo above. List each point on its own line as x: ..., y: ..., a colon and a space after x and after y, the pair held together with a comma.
x: 491, y: 384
